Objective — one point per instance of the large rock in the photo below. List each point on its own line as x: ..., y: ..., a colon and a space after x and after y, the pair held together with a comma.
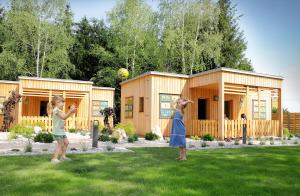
x: 37, y: 129
x: 157, y: 131
x: 122, y: 134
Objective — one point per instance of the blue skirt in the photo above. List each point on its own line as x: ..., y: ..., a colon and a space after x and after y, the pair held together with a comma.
x: 178, y: 131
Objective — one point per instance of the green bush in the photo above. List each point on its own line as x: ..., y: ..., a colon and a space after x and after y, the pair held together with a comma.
x: 204, y: 144
x: 106, y: 130
x: 208, y: 137
x: 286, y: 132
x: 43, y: 138
x: 114, y: 140
x: 274, y: 110
x: 221, y: 144
x: 196, y: 137
x: 132, y: 138
x: 104, y: 138
x: 151, y: 136
x: 19, y: 129
x: 72, y: 130
x: 115, y: 134
x: 128, y: 127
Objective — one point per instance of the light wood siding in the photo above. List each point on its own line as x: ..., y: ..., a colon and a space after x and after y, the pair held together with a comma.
x: 5, y: 88
x: 251, y: 80
x: 140, y: 87
x: 104, y: 95
x: 167, y: 85
x: 55, y: 85
x: 203, y: 80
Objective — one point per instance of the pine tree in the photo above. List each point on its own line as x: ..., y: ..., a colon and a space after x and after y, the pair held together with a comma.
x: 233, y: 45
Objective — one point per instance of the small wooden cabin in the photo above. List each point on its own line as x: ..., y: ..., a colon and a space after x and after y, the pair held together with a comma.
x: 220, y: 97
x: 37, y: 92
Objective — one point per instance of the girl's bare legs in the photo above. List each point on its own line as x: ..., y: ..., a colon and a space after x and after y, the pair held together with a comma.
x: 64, y: 147
x: 58, y: 149
x: 180, y: 154
x: 183, y: 155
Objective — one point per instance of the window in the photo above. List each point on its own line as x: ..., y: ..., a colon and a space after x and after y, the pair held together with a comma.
x: 97, y: 106
x: 263, y: 109
x: 166, y: 102
x: 129, y: 107
x: 2, y: 99
x: 141, y: 104
x: 43, y: 108
x: 202, y: 109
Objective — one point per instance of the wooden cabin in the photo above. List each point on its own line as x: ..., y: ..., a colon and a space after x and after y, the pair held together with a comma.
x: 220, y: 97
x: 37, y: 92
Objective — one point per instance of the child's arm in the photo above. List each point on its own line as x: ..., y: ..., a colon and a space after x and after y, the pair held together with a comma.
x: 186, y: 101
x: 68, y: 114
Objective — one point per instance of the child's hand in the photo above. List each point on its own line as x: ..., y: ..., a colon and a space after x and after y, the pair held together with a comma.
x: 73, y: 109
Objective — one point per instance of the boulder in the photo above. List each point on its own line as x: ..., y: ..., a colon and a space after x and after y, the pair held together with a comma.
x: 157, y: 131
x: 122, y: 134
x: 37, y: 129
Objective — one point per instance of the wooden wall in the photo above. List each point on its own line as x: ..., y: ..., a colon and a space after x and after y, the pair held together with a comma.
x: 5, y: 87
x: 140, y: 87
x: 168, y: 85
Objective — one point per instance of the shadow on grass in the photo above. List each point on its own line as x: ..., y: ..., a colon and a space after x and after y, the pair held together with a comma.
x: 154, y: 171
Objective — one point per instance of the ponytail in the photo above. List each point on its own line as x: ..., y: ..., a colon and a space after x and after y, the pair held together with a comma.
x: 51, y: 105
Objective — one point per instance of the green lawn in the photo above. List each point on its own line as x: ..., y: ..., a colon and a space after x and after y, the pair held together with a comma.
x: 153, y: 171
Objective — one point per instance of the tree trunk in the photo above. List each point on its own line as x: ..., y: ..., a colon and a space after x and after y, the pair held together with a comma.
x: 38, y: 48
x: 44, y: 56
x: 182, y: 41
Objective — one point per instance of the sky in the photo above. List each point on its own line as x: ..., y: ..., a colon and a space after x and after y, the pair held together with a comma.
x: 271, y: 29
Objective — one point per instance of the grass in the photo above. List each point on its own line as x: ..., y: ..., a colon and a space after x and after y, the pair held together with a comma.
x: 153, y: 171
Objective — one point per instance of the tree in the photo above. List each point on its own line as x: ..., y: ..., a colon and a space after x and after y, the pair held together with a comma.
x: 233, y: 43
x: 133, y: 27
x: 36, y: 42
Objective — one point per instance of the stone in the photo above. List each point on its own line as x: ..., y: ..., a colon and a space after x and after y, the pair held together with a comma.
x: 37, y: 129
x: 122, y: 134
x: 157, y: 131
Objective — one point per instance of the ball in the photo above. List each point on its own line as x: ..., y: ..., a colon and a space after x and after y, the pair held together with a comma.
x: 123, y: 73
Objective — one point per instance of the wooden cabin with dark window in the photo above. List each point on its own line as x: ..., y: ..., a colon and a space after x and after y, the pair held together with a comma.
x: 220, y: 97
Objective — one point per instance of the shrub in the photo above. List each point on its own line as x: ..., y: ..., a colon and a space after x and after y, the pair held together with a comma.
x: 286, y: 132
x: 274, y: 110
x: 25, y: 131
x: 151, y: 136
x: 128, y: 127
x: 43, y: 138
x: 72, y: 130
x: 297, y: 135
x: 196, y: 137
x: 114, y: 140
x: 295, y: 142
x: 272, y: 142
x: 130, y: 139
x: 221, y: 143
x: 106, y: 130
x: 104, y: 138
x: 208, y: 137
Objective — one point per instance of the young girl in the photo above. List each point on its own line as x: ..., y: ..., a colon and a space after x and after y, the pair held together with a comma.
x: 178, y: 128
x: 58, y: 117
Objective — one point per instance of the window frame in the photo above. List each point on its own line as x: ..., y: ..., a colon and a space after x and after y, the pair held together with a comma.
x: 160, y: 102
x: 126, y: 110
x: 259, y: 112
x: 98, y: 115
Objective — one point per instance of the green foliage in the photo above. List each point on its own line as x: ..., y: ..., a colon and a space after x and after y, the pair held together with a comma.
x: 106, y: 130
x: 208, y: 137
x: 72, y: 130
x: 132, y: 138
x: 233, y: 45
x: 43, y: 138
x: 128, y: 127
x: 115, y: 134
x: 195, y: 137
x: 104, y: 138
x: 274, y: 110
x: 204, y: 144
x: 221, y: 143
x: 151, y: 136
x: 114, y: 140
x: 19, y: 129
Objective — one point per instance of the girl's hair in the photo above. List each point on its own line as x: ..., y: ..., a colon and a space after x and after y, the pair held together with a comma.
x: 53, y: 102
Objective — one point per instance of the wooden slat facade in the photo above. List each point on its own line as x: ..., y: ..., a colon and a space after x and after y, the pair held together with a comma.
x: 35, y: 91
x: 237, y: 88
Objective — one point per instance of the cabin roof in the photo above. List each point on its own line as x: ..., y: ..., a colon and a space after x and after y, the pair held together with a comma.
x: 54, y: 80
x: 223, y: 69
x: 9, y: 82
x: 103, y: 88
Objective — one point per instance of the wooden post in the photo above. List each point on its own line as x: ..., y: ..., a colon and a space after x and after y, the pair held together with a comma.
x: 247, y: 103
x: 280, y: 112
x: 89, y: 103
x: 50, y: 115
x: 64, y: 96
x: 258, y: 99
x: 221, y: 109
